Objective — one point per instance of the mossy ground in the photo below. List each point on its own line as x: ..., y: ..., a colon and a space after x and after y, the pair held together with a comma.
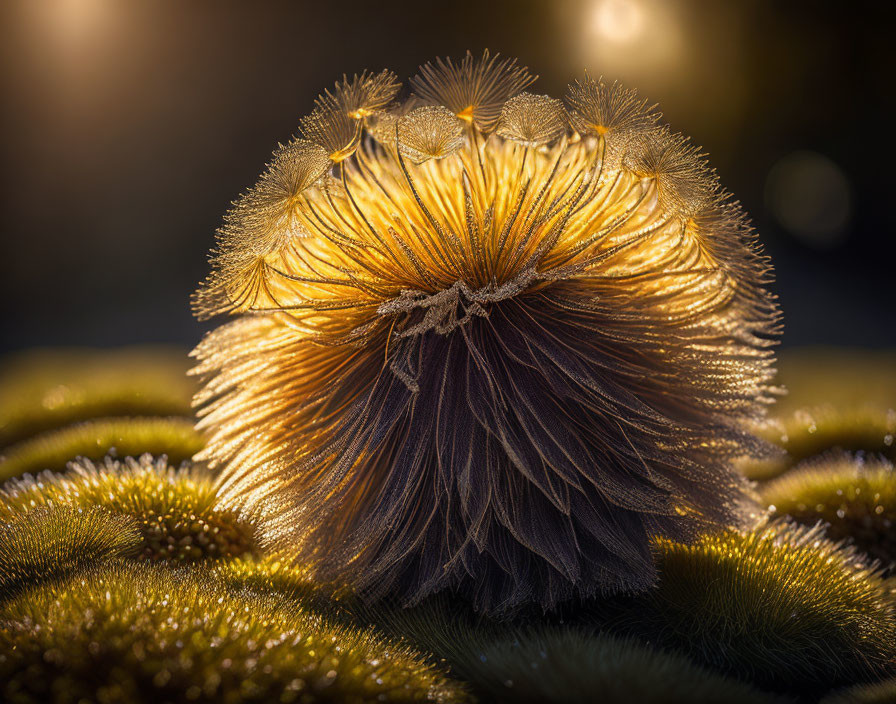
x: 47, y: 389
x: 855, y: 497
x: 876, y: 693
x: 835, y: 399
x: 571, y: 665
x: 86, y: 553
x: 781, y: 606
x: 138, y: 632
x: 93, y: 439
x: 55, y: 542
x: 175, y: 509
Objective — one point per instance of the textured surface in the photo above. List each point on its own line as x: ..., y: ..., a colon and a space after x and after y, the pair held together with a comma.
x: 45, y: 389
x: 524, y: 359
x: 781, y: 606
x: 50, y: 543
x: 176, y: 510
x: 563, y: 665
x: 143, y: 633
x: 93, y: 439
x: 854, y: 496
x: 835, y: 399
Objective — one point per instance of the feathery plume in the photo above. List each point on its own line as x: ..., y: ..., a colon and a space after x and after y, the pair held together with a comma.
x: 500, y: 370
x: 601, y: 109
x: 475, y: 89
x: 532, y: 120
x: 365, y: 94
x: 429, y: 132
x: 683, y: 180
x: 338, y: 116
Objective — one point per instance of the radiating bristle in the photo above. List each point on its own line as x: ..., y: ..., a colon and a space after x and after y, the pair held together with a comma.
x: 330, y: 126
x: 338, y: 117
x: 474, y: 89
x: 365, y: 94
x: 532, y: 119
x: 601, y: 109
x: 429, y: 133
x: 684, y: 181
x: 260, y: 223
x: 496, y: 342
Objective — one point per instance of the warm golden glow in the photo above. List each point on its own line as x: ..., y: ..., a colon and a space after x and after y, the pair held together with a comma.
x: 498, y: 217
x: 497, y: 289
x: 617, y: 20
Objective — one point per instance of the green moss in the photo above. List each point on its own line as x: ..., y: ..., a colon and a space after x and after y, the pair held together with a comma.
x: 854, y: 496
x: 93, y: 439
x: 45, y: 389
x: 534, y: 658
x: 781, y: 606
x: 176, y: 510
x: 812, y: 431
x: 147, y: 633
x: 443, y: 625
x: 877, y: 693
x: 564, y: 665
x: 270, y: 575
x: 53, y: 542
x: 837, y: 399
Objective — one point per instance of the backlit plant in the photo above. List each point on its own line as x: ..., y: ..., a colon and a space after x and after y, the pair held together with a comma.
x: 485, y: 340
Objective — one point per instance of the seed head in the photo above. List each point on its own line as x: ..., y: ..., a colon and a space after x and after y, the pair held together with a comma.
x: 501, y: 356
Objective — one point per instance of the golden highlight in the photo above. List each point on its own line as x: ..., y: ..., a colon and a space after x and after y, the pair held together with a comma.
x: 495, y: 346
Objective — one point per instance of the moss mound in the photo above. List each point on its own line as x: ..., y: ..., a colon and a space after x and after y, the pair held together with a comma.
x: 877, y: 693
x: 563, y: 665
x: 781, y: 606
x: 53, y: 542
x: 837, y: 399
x: 94, y: 439
x: 854, y: 496
x: 147, y: 633
x: 537, y: 657
x: 45, y: 389
x: 176, y: 510
x: 271, y: 575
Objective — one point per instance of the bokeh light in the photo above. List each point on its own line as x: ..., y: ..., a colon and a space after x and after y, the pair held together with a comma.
x: 810, y: 197
x: 130, y: 126
x: 617, y: 20
x: 628, y: 36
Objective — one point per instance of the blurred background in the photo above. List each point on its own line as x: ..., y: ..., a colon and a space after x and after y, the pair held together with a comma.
x: 131, y: 125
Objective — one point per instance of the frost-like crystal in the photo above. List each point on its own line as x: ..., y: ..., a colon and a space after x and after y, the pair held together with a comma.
x: 499, y: 371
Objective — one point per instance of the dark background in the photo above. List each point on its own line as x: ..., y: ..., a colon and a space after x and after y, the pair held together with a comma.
x: 130, y: 126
